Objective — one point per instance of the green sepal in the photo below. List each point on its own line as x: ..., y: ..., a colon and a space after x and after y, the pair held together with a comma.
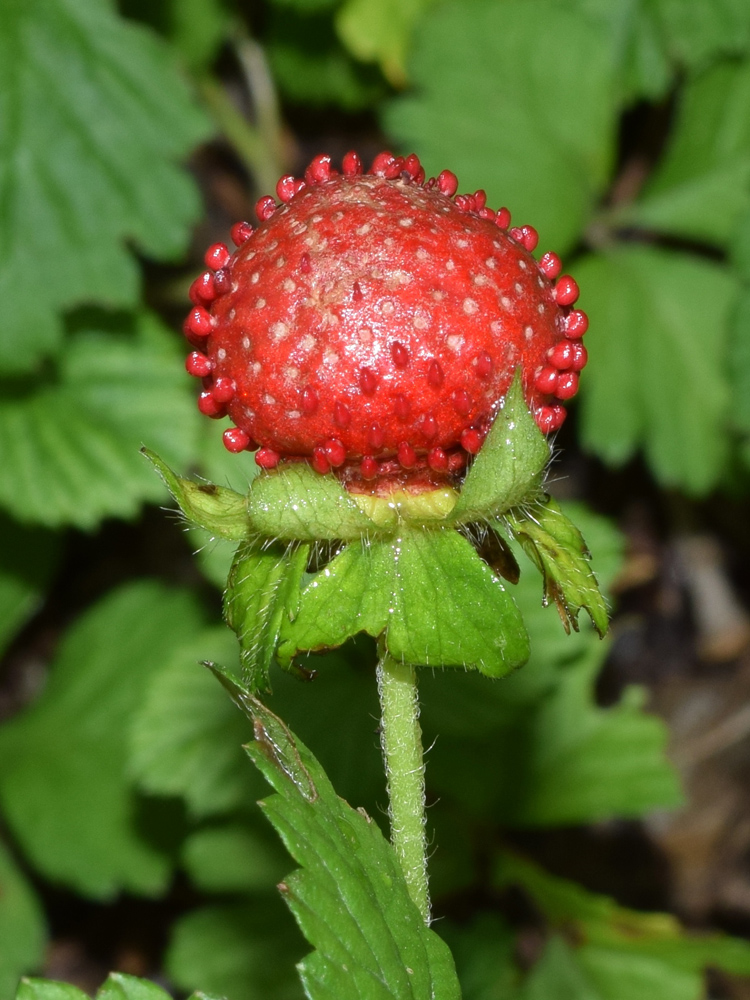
x: 218, y: 509
x: 558, y: 550
x: 296, y: 503
x: 510, y: 467
x: 436, y: 602
x: 262, y: 591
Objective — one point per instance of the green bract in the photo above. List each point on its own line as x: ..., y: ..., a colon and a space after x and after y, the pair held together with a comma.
x: 317, y: 565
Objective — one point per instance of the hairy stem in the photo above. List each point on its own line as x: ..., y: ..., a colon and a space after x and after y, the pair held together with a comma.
x: 401, y: 739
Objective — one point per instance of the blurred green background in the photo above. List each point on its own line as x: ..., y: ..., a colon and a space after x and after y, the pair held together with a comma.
x: 131, y: 137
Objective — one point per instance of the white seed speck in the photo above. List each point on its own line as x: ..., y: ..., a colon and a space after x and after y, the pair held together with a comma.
x: 389, y: 241
x: 496, y: 327
x: 260, y: 303
x: 523, y: 265
x: 365, y: 334
x: 528, y: 332
x: 235, y: 285
x: 422, y: 254
x: 387, y: 307
x: 268, y: 399
x: 279, y: 330
x: 364, y: 229
x: 402, y: 277
x: 272, y: 245
x: 255, y: 367
x: 518, y: 287
x: 540, y: 281
x: 481, y: 279
x: 470, y: 307
x: 255, y: 277
x: 337, y: 216
x: 505, y: 302
x: 280, y: 261
x: 540, y: 308
x: 462, y: 243
x: 497, y: 244
x: 406, y: 223
x: 450, y: 265
x: 251, y: 255
x: 232, y: 315
x: 289, y: 285
x: 293, y: 414
x: 291, y: 373
x: 317, y: 218
x: 308, y: 342
x: 221, y: 354
x: 330, y: 357
x: 299, y: 229
x: 491, y: 263
x: 437, y: 295
x: 420, y: 322
x: 309, y: 241
x: 246, y: 343
x: 455, y: 342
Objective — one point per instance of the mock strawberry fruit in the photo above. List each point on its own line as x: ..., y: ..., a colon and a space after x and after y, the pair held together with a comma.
x: 373, y: 323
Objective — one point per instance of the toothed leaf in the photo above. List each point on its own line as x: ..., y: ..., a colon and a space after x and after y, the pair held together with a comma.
x: 509, y: 468
x: 218, y: 509
x: 262, y: 591
x: 435, y: 600
x: 558, y: 550
x: 349, y: 895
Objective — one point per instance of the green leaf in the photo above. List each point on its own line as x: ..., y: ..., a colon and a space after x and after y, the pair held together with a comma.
x: 95, y: 120
x: 739, y: 363
x: 232, y: 858
x: 22, y: 926
x: 47, y: 989
x: 509, y: 468
x: 624, y: 954
x: 349, y: 895
x: 262, y: 593
x: 697, y: 31
x: 436, y: 601
x: 556, y: 546
x: 311, y: 66
x: 656, y: 378
x: 295, y: 503
x: 70, y: 441
x: 63, y: 781
x: 28, y: 557
x: 215, y: 508
x: 119, y: 986
x: 378, y: 31
x: 245, y: 951
x: 483, y: 73
x: 186, y: 736
x: 702, y: 185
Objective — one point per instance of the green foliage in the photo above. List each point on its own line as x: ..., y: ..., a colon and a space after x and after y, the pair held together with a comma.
x: 483, y: 74
x: 70, y: 439
x: 95, y: 117
x: 469, y: 619
x: 349, y: 895
x: 233, y: 858
x: 63, y: 782
x: 22, y: 925
x: 657, y: 376
x: 28, y: 557
x: 185, y: 741
x: 241, y: 950
x: 380, y: 31
x: 117, y: 986
x: 707, y: 163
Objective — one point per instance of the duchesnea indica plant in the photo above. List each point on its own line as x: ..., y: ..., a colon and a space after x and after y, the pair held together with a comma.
x: 395, y: 356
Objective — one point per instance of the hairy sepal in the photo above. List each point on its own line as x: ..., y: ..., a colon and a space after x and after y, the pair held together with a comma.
x: 296, y: 503
x: 557, y: 548
x: 262, y: 593
x: 510, y: 468
x: 431, y: 597
x: 218, y: 509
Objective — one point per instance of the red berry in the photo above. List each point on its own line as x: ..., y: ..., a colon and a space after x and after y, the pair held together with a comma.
x: 370, y: 324
x: 217, y: 256
x: 235, y: 439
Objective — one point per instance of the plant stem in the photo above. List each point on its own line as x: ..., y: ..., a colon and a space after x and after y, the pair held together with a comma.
x: 401, y: 739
